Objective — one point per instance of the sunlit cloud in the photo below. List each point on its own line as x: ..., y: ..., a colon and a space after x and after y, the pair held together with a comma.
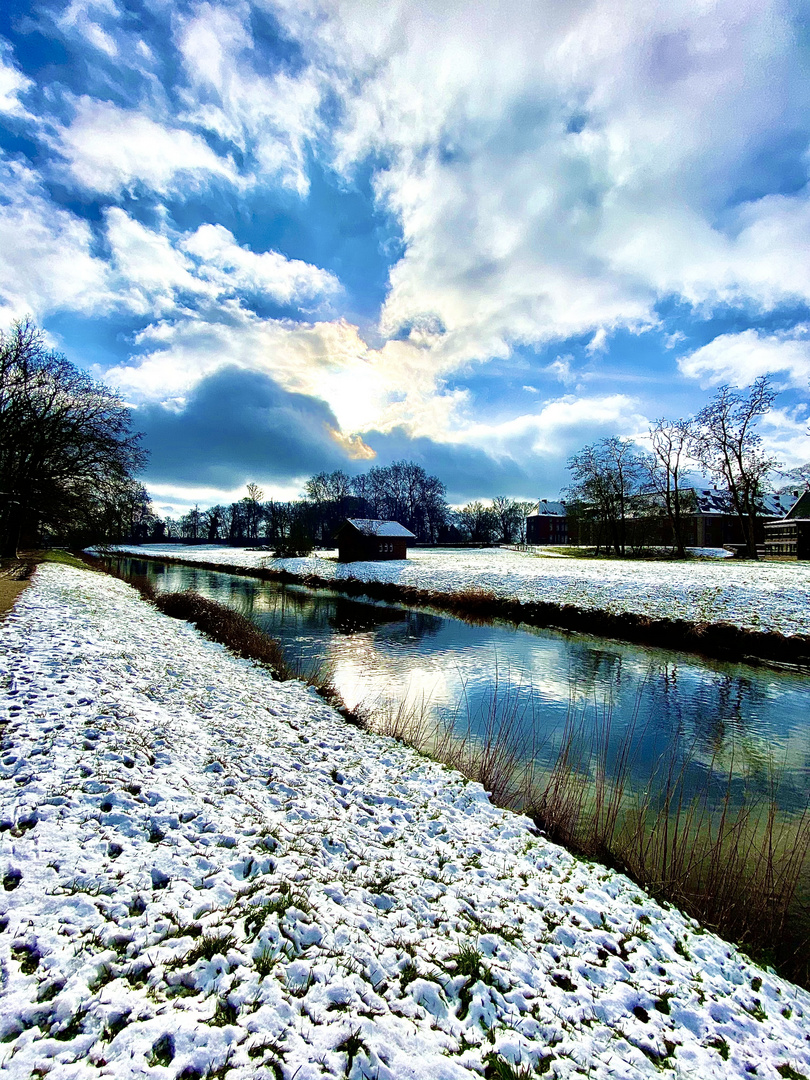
x: 738, y: 359
x: 455, y: 230
x: 108, y: 150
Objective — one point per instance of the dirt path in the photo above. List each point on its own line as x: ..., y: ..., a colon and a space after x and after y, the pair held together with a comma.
x: 11, y: 585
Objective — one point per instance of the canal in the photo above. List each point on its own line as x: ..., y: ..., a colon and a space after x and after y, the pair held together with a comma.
x: 726, y: 725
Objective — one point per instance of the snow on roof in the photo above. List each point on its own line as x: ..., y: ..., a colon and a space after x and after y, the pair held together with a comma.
x: 716, y: 501
x: 547, y: 508
x: 377, y: 527
x: 801, y: 508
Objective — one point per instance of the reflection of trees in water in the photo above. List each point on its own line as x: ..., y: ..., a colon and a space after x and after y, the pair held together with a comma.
x: 716, y: 716
x: 592, y: 671
x: 349, y: 616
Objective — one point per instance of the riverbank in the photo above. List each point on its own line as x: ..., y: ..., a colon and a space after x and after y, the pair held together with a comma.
x: 721, y: 608
x: 207, y: 873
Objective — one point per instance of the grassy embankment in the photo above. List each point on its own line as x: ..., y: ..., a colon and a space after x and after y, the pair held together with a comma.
x: 741, y: 869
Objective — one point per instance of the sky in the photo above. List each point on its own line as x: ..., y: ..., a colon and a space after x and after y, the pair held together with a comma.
x: 309, y: 235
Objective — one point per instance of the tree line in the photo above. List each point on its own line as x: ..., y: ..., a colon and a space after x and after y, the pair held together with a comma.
x: 402, y: 492
x: 69, y: 460
x: 617, y: 487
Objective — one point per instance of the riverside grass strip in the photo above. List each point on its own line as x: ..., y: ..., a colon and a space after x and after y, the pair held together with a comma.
x: 720, y: 640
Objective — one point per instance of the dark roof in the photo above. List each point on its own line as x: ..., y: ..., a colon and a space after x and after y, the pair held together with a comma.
x: 547, y: 508
x: 715, y: 501
x: 376, y: 527
x: 801, y: 508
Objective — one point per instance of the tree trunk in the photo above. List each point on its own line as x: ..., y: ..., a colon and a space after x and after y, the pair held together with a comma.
x: 10, y: 537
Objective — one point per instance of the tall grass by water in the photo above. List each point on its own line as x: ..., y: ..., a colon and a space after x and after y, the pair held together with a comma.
x: 735, y: 862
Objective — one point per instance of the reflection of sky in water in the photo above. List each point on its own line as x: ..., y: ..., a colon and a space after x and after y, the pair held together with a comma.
x: 729, y: 718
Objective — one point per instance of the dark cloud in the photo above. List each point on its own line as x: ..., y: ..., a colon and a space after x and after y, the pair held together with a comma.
x: 467, y: 472
x: 239, y: 425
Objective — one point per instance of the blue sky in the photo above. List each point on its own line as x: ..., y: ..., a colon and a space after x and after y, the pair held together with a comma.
x: 304, y: 235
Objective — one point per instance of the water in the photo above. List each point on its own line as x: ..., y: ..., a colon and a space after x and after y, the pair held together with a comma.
x: 749, y: 724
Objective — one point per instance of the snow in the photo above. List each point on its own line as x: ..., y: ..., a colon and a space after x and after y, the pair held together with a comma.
x: 755, y: 596
x: 209, y: 873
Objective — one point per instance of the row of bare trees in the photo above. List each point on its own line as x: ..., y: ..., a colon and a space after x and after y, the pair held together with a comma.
x: 614, y: 482
x: 402, y: 492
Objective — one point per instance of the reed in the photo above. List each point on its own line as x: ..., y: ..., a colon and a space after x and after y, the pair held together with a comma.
x: 741, y: 867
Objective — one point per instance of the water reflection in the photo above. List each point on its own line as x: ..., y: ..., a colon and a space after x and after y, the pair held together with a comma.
x: 726, y: 720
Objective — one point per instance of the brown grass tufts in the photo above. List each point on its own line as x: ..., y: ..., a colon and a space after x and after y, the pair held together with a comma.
x: 226, y: 626
x: 740, y: 868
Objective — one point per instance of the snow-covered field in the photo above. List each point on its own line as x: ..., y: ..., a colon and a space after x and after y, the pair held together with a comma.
x: 209, y: 874
x: 756, y: 596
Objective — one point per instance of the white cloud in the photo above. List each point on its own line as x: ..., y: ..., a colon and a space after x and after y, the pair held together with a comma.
x: 740, y: 358
x: 109, y: 149
x: 561, y: 427
x: 234, y: 268
x: 12, y: 84
x: 273, y: 117
x: 598, y: 342
x: 51, y: 262
x: 561, y: 179
x: 785, y: 434
x: 47, y: 259
x: 84, y: 17
x: 148, y: 271
x: 561, y: 370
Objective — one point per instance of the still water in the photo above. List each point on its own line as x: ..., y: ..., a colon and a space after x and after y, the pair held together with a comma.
x: 750, y: 724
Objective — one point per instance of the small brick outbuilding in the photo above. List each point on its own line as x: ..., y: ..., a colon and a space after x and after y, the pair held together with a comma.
x: 371, y: 539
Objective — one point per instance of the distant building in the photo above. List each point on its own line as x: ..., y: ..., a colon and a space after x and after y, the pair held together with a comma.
x: 789, y: 539
x: 548, y: 524
x: 370, y: 539
x: 711, y: 522
x: 708, y: 520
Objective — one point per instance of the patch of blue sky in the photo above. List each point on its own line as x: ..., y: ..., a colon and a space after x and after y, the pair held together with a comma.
x: 95, y: 343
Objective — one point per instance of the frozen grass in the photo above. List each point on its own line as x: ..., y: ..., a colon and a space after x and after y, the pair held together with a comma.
x: 208, y: 873
x: 741, y: 868
x: 228, y: 627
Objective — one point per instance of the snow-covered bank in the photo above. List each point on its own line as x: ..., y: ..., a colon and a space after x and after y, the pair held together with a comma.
x: 773, y: 597
x: 210, y: 873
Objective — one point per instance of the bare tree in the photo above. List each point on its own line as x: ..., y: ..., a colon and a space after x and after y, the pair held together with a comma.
x: 212, y: 522
x: 727, y: 445
x: 478, y: 522
x: 252, y: 504
x: 608, y: 478
x: 524, y: 508
x: 509, y: 513
x: 670, y: 441
x: 65, y: 441
x: 402, y: 492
